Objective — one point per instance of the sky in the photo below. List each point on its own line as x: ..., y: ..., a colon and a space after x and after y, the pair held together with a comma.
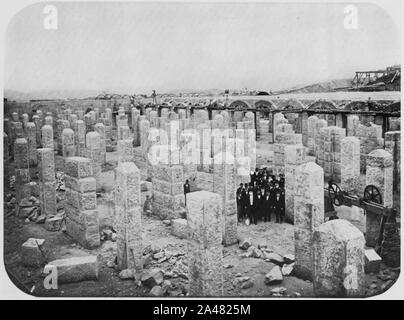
x: 134, y: 48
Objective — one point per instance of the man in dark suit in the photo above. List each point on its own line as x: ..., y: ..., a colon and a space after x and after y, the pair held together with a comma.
x: 239, y: 201
x: 279, y: 206
x: 251, y: 204
x: 187, y: 189
x: 258, y: 207
x: 266, y: 208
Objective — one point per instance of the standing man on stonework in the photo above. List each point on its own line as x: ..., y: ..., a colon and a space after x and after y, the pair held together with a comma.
x: 187, y: 189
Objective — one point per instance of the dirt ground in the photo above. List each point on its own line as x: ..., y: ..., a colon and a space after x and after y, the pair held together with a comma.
x: 157, y: 236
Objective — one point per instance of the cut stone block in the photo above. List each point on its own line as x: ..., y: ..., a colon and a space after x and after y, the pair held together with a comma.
x: 32, y: 253
x: 78, y: 167
x: 54, y: 223
x: 372, y: 261
x: 75, y: 269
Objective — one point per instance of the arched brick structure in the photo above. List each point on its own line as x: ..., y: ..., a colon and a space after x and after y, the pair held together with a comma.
x: 239, y: 104
x: 322, y: 105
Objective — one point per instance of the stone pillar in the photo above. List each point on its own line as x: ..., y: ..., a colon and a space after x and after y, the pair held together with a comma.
x: 144, y: 127
x: 93, y: 146
x: 295, y: 155
x: 128, y: 214
x: 25, y: 120
x: 22, y: 176
x: 16, y: 131
x: 62, y: 124
x: 15, y: 117
x: 123, y: 132
x: 311, y: 133
x: 350, y: 165
x: 392, y: 144
x: 125, y: 150
x: 205, y: 252
x: 224, y: 184
x: 32, y: 145
x: 308, y: 214
x: 82, y: 222
x: 36, y: 119
x: 135, y: 126
x: 338, y: 260
x: 68, y: 146
x: 47, y: 137
x: 49, y: 121
x: 168, y: 190
x: 100, y: 129
x: 379, y: 172
x: 352, y: 125
x: 47, y: 181
x: 80, y: 138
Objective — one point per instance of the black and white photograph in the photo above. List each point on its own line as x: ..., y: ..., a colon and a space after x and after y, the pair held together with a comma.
x: 179, y: 150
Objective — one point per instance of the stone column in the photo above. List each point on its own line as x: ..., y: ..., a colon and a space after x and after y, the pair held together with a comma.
x: 36, y: 119
x: 308, y: 214
x: 123, y: 132
x: 350, y: 165
x: 22, y: 176
x: 295, y: 155
x: 49, y: 121
x: 16, y: 131
x: 135, y: 126
x: 224, y: 184
x: 47, y: 181
x: 144, y: 127
x: 68, y: 146
x: 82, y: 222
x: 338, y: 260
x: 311, y: 134
x: 125, y: 150
x: 32, y: 145
x: 205, y: 252
x: 128, y: 217
x: 379, y: 172
x: 25, y: 120
x: 93, y: 146
x: 61, y: 125
x: 100, y: 129
x: 80, y: 138
x: 47, y: 137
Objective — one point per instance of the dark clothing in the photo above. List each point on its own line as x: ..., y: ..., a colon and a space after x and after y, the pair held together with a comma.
x: 279, y: 208
x: 187, y: 188
x: 266, y: 208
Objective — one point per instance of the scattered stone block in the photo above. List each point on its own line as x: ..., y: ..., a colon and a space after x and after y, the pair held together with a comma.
x: 75, y: 269
x: 54, y: 223
x: 245, y: 244
x: 274, y: 276
x: 372, y: 261
x: 152, y: 278
x: 287, y: 269
x: 32, y: 254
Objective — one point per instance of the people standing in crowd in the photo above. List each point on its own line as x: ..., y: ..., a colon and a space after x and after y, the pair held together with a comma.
x: 264, y: 195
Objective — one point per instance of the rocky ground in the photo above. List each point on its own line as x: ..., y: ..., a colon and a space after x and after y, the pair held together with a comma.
x: 261, y: 265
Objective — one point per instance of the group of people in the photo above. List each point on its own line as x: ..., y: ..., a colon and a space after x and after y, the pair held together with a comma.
x: 262, y: 197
